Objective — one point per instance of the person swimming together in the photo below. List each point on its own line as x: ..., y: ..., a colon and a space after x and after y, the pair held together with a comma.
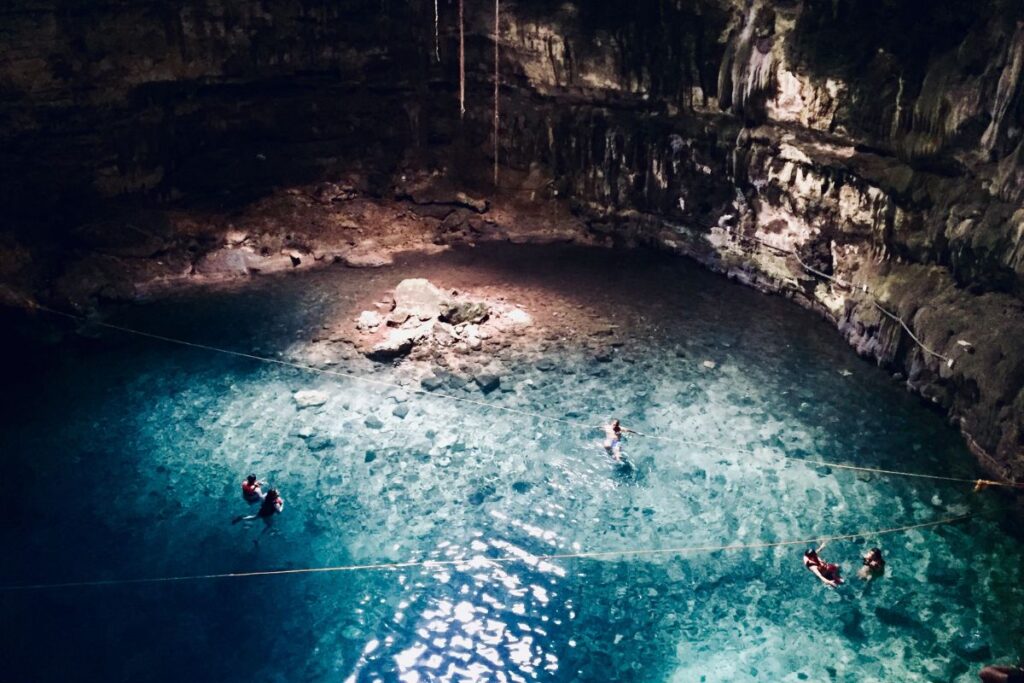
x: 826, y: 571
x: 251, y: 490
x: 272, y: 504
x: 1003, y: 674
x: 874, y: 565
x: 613, y: 432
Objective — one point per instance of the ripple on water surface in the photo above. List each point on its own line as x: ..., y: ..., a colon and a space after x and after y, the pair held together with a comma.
x: 128, y: 455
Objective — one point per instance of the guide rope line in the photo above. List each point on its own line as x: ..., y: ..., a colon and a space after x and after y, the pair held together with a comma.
x: 979, y: 483
x: 505, y: 559
x: 849, y: 285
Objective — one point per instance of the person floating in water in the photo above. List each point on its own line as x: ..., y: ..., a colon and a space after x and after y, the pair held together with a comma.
x: 874, y: 565
x: 272, y: 504
x: 251, y: 490
x: 826, y: 571
x: 1003, y: 674
x: 613, y: 432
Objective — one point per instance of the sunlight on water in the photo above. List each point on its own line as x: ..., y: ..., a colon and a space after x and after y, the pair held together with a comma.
x: 129, y: 455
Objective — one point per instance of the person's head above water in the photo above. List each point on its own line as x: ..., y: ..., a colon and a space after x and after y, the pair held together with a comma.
x: 615, y: 425
x: 251, y: 479
x: 272, y: 495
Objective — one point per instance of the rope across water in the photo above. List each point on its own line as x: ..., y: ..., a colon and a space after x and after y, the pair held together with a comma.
x: 508, y: 409
x: 426, y: 564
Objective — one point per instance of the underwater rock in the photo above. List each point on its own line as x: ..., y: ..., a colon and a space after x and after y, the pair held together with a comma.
x: 487, y: 382
x: 373, y: 422
x: 432, y: 382
x: 319, y: 442
x: 400, y: 411
x: 896, y: 617
x: 972, y: 647
x: 308, y: 398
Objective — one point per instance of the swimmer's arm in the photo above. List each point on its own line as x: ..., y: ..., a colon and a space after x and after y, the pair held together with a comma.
x: 825, y: 581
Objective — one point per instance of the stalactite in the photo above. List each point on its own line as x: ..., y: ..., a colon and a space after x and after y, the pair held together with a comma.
x: 462, y: 62
x: 497, y: 82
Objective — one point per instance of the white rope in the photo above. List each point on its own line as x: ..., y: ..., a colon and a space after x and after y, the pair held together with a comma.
x: 598, y: 554
x: 507, y: 409
x: 848, y: 285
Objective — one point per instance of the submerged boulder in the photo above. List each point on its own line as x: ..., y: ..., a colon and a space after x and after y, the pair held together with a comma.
x: 487, y: 382
x: 309, y: 398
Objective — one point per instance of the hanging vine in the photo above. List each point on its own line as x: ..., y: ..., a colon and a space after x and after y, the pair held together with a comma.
x: 497, y: 82
x: 462, y: 62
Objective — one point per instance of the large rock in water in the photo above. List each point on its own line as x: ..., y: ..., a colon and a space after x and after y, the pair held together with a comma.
x: 418, y: 298
x: 309, y: 398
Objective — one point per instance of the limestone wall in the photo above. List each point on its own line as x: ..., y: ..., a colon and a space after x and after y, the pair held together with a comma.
x: 881, y: 141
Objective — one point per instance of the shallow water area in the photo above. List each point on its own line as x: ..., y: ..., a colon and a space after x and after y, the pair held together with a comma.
x: 128, y: 453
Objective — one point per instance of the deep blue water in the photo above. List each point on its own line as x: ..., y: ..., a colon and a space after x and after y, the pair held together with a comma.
x: 122, y: 458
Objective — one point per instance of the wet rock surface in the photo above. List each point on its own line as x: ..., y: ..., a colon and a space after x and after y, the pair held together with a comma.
x: 877, y: 145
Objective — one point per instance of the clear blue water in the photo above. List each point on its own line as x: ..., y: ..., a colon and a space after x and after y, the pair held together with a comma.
x: 123, y: 456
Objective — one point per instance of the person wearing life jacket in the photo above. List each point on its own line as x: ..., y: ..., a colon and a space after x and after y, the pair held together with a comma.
x: 251, y: 490
x: 826, y: 571
x: 272, y: 504
x: 1003, y: 674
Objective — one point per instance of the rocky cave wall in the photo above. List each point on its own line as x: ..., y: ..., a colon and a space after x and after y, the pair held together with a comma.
x: 879, y: 141
x: 195, y: 100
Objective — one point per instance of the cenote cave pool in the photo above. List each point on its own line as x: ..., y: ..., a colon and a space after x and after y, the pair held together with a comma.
x: 123, y: 457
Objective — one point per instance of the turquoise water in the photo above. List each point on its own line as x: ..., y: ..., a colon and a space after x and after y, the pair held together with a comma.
x: 123, y: 458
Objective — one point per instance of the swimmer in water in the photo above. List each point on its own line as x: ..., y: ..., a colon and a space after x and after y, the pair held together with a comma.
x: 272, y: 504
x: 1003, y: 674
x: 251, y: 490
x: 874, y: 565
x: 613, y: 432
x: 826, y: 571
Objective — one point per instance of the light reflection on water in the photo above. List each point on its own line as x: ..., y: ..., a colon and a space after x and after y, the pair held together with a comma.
x: 139, y: 416
x: 477, y: 620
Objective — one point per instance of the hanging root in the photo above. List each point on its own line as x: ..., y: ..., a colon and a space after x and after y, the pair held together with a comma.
x: 497, y: 82
x: 437, y: 36
x: 462, y: 62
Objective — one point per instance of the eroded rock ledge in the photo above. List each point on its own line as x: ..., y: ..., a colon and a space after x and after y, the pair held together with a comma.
x: 880, y: 143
